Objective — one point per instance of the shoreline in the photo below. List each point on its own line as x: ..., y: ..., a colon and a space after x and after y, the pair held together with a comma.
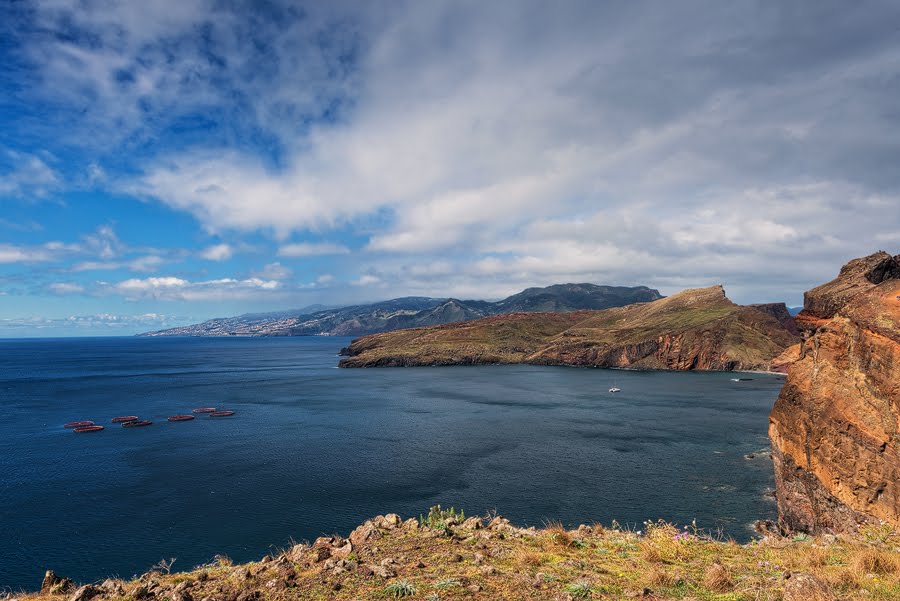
x: 447, y: 556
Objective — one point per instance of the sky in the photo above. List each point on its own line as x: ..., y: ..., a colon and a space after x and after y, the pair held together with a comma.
x: 166, y: 162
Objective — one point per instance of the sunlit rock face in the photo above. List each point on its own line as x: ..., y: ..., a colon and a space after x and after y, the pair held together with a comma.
x: 834, y: 427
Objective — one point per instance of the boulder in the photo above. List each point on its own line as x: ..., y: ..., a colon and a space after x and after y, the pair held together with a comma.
x: 473, y: 523
x: 88, y: 591
x: 367, y: 531
x: 799, y: 586
x: 55, y: 585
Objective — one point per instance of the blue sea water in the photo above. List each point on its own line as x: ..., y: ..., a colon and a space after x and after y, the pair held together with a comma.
x: 313, y: 449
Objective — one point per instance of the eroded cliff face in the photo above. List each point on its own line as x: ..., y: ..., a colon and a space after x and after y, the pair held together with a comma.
x: 697, y: 329
x: 835, y: 428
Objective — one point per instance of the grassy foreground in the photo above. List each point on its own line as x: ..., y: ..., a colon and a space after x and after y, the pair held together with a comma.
x: 444, y: 556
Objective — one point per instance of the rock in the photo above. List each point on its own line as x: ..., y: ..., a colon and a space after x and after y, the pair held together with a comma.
x: 297, y: 553
x: 652, y: 335
x: 142, y: 591
x: 368, y: 531
x: 473, y: 523
x: 320, y: 554
x: 411, y: 524
x: 182, y: 595
x: 799, y: 586
x: 88, y: 591
x: 113, y: 587
x: 498, y: 523
x: 474, y: 588
x: 55, y: 585
x: 343, y: 551
x: 276, y: 584
x: 488, y: 570
x: 383, y: 571
x: 835, y: 443
x: 365, y: 570
x: 479, y: 559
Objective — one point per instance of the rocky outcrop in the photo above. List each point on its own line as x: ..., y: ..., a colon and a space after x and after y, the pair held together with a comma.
x: 780, y: 312
x: 835, y: 428
x: 696, y: 329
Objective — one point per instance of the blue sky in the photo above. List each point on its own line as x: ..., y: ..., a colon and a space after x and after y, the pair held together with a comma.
x: 166, y: 162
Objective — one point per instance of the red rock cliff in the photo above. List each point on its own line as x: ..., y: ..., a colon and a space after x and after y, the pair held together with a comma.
x: 835, y: 428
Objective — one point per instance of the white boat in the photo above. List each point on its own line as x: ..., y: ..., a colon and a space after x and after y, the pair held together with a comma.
x: 615, y: 389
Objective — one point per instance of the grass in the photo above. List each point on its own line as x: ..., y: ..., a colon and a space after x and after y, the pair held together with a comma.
x: 553, y: 562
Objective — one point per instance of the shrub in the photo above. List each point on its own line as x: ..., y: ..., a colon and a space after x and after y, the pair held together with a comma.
x: 401, y: 588
x: 437, y: 518
x: 580, y: 590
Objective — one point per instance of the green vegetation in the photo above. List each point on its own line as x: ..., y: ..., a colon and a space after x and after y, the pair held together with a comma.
x: 442, y: 519
x: 401, y: 588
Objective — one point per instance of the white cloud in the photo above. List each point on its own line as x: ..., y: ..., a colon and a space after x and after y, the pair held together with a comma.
x: 274, y: 271
x: 325, y: 278
x: 146, y: 263
x: 493, y: 146
x: 65, y: 288
x: 367, y: 280
x: 11, y: 253
x: 98, y: 323
x: 172, y: 288
x: 217, y: 252
x: 27, y: 176
x: 306, y: 249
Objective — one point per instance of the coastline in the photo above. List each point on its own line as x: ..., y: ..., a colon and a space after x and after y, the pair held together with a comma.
x: 445, y: 555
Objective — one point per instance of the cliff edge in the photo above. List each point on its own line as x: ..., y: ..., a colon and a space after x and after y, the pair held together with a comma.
x: 835, y: 428
x: 695, y: 329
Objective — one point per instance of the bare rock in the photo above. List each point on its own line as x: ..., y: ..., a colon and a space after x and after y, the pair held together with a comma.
x: 88, y: 591
x: 834, y: 425
x: 799, y: 586
x: 473, y: 523
x: 388, y: 522
x: 343, y: 551
x: 497, y: 522
x: 383, y: 571
x: 55, y: 585
x: 368, y: 531
x: 296, y: 553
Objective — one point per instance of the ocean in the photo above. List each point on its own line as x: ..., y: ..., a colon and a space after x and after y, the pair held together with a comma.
x: 313, y: 449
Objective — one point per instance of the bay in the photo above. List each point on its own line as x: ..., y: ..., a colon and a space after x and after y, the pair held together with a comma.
x: 313, y: 449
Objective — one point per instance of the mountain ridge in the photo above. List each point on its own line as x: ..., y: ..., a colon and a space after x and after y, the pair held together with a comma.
x: 693, y: 329
x: 415, y: 311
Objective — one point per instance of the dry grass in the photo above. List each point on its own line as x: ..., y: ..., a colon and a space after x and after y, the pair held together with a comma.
x: 717, y: 579
x: 553, y: 563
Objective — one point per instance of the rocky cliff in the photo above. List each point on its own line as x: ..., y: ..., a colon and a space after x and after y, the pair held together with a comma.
x: 780, y: 312
x: 835, y: 428
x: 694, y: 329
x: 445, y: 556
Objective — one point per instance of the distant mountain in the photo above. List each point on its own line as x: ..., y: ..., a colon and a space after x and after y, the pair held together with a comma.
x: 414, y: 311
x: 695, y: 329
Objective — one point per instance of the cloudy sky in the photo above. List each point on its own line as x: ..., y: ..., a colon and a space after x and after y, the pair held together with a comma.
x: 165, y: 162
